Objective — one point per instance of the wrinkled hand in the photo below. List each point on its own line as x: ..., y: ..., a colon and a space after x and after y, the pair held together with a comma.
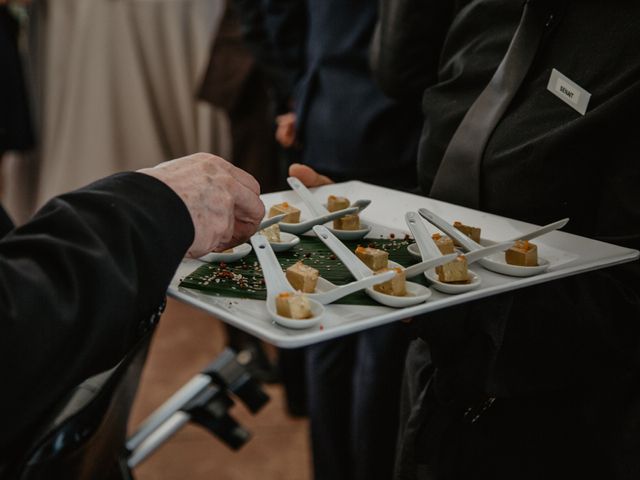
x: 308, y: 176
x: 223, y: 200
x: 286, y: 129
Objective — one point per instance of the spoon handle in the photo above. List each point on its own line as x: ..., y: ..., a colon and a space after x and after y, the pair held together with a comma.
x: 449, y: 229
x: 542, y: 230
x: 476, y: 255
x: 426, y: 245
x: 271, y: 221
x: 302, y: 227
x: 422, y: 267
x: 342, y: 291
x: 361, y: 204
x: 353, y: 263
x: 307, y: 197
x: 274, y: 278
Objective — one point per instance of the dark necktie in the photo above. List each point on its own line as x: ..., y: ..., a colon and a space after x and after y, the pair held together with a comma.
x: 458, y: 178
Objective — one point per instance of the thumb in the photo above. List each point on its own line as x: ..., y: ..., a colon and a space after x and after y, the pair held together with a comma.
x: 308, y: 176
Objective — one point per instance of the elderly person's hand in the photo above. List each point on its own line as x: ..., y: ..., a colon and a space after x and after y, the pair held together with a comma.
x: 308, y: 176
x: 223, y: 200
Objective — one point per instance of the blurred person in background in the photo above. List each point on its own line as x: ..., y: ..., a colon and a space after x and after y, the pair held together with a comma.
x: 16, y: 127
x: 346, y: 128
x: 244, y: 80
x: 116, y: 86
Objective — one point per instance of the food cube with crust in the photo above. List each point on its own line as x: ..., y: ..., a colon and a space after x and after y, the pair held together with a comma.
x: 454, y: 272
x: 272, y: 233
x: 302, y: 277
x: 293, y: 305
x: 522, y: 253
x: 373, y: 258
x: 337, y: 203
x: 348, y: 222
x: 444, y: 243
x: 397, y: 286
x: 471, y: 232
x: 293, y: 214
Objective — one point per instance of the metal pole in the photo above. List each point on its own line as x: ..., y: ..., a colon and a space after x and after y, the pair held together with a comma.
x: 178, y: 400
x: 157, y: 438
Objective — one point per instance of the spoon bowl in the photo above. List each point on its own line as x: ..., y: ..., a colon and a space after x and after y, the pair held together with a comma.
x: 416, y: 294
x: 453, y: 288
x: 497, y: 263
x: 236, y: 254
x: 287, y: 241
x: 351, y: 234
x: 317, y: 313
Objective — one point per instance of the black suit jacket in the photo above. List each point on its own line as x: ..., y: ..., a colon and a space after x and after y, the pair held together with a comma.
x: 78, y: 285
x: 575, y: 340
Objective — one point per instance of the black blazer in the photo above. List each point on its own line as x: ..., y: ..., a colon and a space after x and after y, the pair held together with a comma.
x: 78, y: 285
x: 577, y: 337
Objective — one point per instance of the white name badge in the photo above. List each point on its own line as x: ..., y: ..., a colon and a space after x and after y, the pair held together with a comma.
x: 569, y: 92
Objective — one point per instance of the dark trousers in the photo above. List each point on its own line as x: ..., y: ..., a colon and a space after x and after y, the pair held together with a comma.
x: 354, y: 389
x: 590, y: 433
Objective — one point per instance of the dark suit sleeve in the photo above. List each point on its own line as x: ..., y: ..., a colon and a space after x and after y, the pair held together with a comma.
x: 407, y: 43
x: 78, y: 285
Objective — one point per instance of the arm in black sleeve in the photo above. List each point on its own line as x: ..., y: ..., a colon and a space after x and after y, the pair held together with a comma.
x: 406, y: 46
x: 77, y: 283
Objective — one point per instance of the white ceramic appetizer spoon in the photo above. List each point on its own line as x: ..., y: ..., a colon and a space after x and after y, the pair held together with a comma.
x: 416, y: 293
x: 326, y: 292
x: 427, y: 248
x: 271, y: 221
x: 277, y: 283
x: 317, y: 209
x: 306, y: 225
x: 496, y: 262
x: 234, y: 255
x: 243, y: 249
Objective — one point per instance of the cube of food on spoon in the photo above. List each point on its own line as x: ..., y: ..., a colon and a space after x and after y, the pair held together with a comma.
x: 302, y: 277
x: 373, y: 258
x: 444, y: 243
x: 335, y: 203
x: 522, y: 253
x: 472, y: 232
x: 397, y: 286
x: 293, y: 305
x: 272, y: 233
x: 454, y: 272
x: 292, y: 213
x: 348, y: 222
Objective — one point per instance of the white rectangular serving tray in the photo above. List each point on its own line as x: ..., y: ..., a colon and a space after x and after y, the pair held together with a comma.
x: 568, y: 254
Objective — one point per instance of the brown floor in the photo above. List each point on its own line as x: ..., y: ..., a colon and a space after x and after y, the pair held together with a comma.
x: 187, y: 340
